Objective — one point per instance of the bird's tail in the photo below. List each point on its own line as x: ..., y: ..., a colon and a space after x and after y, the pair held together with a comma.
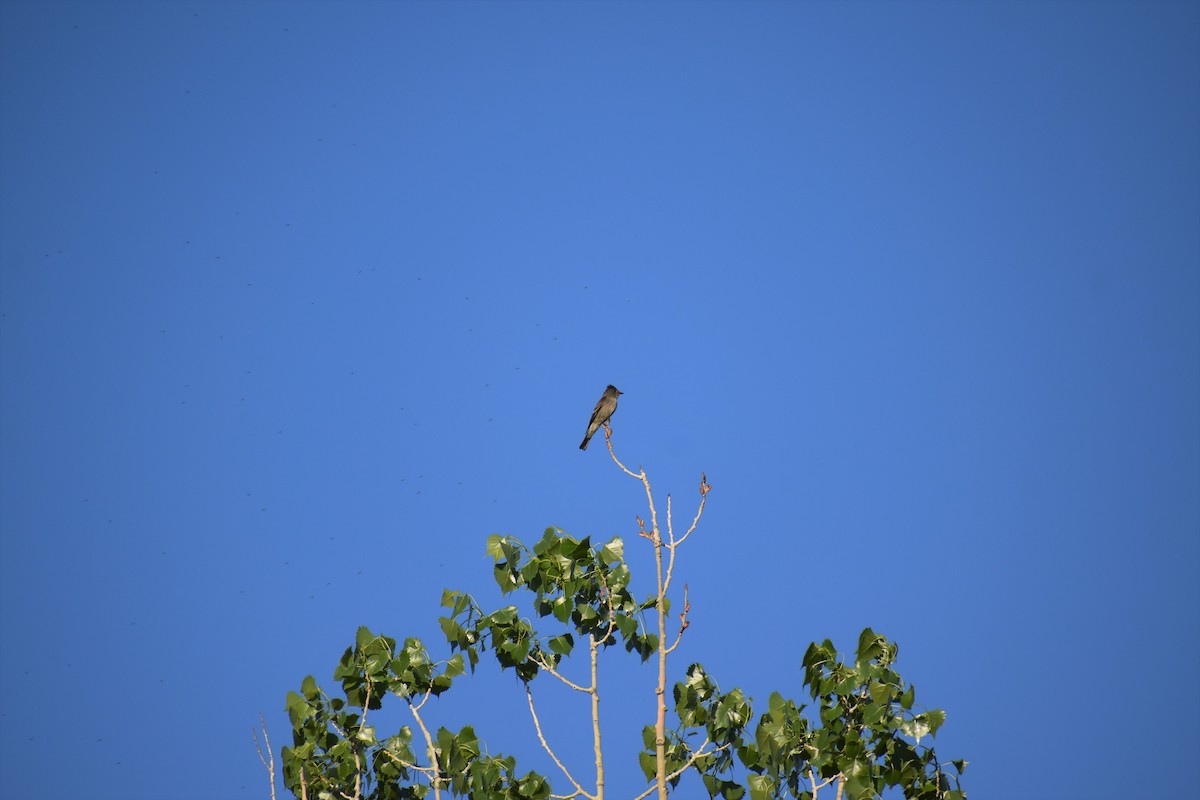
x: 586, y: 439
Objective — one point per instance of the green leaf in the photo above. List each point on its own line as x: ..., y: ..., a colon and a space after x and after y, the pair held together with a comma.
x: 563, y: 608
x: 495, y: 547
x: 916, y: 727
x: 732, y: 791
x: 649, y: 765
x: 868, y: 644
x: 504, y: 578
x: 298, y: 708
x: 847, y: 684
x: 648, y: 737
x: 761, y: 787
x: 646, y: 645
x: 562, y: 645
x: 549, y: 540
x: 612, y: 552
x: 503, y: 616
x: 451, y: 630
x: 858, y: 784
x: 363, y: 637
x: 454, y: 666
x: 376, y: 664
x: 532, y: 570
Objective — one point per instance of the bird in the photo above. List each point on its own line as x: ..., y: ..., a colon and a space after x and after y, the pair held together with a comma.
x: 604, y: 409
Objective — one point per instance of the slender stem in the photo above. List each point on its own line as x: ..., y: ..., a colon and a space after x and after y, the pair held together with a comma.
x: 692, y: 760
x: 537, y: 726
x: 545, y: 665
x: 663, y: 579
x: 594, y: 652
x: 812, y: 778
x: 271, y: 753
x: 426, y: 771
x: 660, y: 723
x: 436, y: 781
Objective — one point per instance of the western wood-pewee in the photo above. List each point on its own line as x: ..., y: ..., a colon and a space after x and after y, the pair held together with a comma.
x: 604, y: 410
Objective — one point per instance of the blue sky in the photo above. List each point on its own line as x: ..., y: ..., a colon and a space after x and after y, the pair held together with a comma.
x: 299, y: 302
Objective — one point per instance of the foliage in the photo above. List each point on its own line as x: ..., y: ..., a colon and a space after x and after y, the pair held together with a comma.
x: 861, y: 738
x: 864, y: 738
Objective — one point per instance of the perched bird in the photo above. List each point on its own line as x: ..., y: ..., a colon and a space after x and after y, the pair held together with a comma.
x: 604, y: 410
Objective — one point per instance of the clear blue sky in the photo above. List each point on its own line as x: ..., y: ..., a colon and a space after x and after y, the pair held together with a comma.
x: 301, y: 301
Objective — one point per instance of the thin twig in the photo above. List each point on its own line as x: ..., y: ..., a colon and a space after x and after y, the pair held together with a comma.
x: 436, y: 780
x: 705, y: 488
x: 683, y: 620
x: 608, y: 440
x: 641, y: 476
x: 270, y: 766
x: 670, y: 548
x: 812, y: 778
x: 425, y: 699
x: 545, y: 665
x: 593, y: 656
x: 696, y: 755
x: 426, y: 771
x: 537, y: 726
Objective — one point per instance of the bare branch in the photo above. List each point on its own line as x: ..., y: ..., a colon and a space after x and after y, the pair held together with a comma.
x: 705, y: 488
x: 537, y: 725
x: 435, y: 770
x: 593, y: 653
x: 545, y: 665
x: 666, y: 584
x: 617, y: 461
x: 696, y: 755
x: 812, y: 778
x: 428, y: 772
x: 424, y: 700
x: 641, y: 476
x: 271, y: 753
x: 683, y: 621
x: 670, y: 526
x: 663, y: 574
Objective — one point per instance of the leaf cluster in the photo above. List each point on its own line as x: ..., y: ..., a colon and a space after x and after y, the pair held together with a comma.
x: 584, y: 588
x: 864, y: 732
x: 701, y: 710
x: 334, y: 753
x: 869, y: 737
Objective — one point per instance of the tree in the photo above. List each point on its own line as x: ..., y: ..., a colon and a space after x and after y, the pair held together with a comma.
x: 863, y: 739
